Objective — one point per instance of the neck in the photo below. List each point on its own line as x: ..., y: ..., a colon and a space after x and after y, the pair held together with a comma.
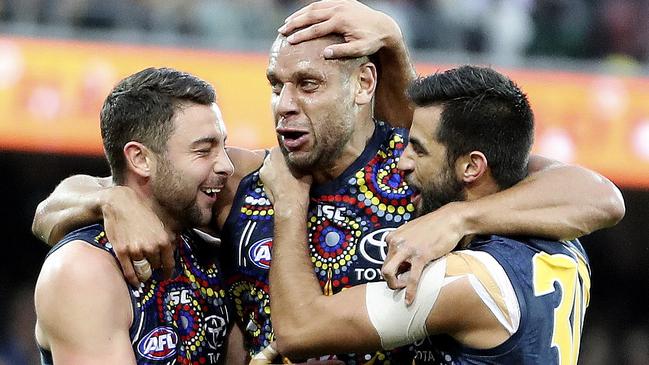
x: 480, y: 188
x: 363, y: 132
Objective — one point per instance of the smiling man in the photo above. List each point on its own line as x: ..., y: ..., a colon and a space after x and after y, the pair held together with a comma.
x: 164, y: 139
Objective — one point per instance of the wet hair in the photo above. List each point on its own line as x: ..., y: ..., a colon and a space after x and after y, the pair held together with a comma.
x: 482, y: 110
x: 141, y: 108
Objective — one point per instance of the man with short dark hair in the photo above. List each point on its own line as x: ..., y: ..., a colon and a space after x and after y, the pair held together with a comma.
x: 494, y: 299
x: 164, y: 138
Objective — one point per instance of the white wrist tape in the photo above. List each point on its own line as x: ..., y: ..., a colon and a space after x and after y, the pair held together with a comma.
x: 267, y: 354
x: 396, y: 323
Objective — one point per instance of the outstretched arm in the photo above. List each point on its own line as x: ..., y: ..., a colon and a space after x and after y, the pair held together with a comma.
x: 555, y: 201
x: 135, y: 231
x: 367, y: 32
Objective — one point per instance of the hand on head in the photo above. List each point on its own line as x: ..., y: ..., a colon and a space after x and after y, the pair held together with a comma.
x: 365, y: 30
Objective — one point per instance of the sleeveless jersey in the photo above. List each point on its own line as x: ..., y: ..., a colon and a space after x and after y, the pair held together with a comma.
x: 551, y: 281
x: 182, y: 320
x: 347, y: 221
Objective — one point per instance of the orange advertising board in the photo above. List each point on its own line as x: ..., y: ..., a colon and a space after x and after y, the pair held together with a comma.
x: 51, y: 92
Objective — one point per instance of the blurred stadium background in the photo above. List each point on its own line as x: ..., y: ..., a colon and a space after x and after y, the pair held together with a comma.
x: 584, y: 64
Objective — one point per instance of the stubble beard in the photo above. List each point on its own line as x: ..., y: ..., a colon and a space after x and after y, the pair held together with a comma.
x: 441, y: 192
x: 168, y: 191
x: 328, y: 145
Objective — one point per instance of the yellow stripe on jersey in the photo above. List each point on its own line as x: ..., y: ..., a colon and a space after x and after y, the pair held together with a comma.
x: 584, y: 273
x: 484, y: 268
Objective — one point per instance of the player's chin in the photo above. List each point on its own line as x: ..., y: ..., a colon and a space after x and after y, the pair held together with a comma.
x: 205, y: 217
x: 205, y: 209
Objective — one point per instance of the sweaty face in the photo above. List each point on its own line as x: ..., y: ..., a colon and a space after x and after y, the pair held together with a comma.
x: 313, y: 103
x: 194, y: 167
x: 426, y: 166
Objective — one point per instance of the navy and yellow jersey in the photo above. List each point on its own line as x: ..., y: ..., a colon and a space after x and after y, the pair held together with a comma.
x: 537, y: 289
x: 347, y: 222
x: 182, y: 320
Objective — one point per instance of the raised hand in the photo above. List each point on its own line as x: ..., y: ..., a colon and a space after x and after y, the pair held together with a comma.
x: 281, y: 184
x: 365, y: 30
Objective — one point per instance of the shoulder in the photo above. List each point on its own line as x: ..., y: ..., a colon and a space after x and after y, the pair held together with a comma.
x: 76, y: 283
x: 478, y: 275
x: 245, y: 161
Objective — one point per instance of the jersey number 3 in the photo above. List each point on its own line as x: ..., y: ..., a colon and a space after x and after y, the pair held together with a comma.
x: 572, y: 276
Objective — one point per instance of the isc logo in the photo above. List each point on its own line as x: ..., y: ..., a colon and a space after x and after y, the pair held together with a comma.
x: 158, y: 344
x: 259, y: 253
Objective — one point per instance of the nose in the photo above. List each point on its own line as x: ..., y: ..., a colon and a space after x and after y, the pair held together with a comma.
x: 222, y: 164
x: 286, y: 101
x: 406, y: 162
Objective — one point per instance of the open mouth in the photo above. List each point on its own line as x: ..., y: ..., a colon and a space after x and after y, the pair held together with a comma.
x: 293, y: 139
x: 211, y: 192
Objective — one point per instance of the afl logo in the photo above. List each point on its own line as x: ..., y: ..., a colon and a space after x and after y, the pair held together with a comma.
x: 259, y: 253
x: 158, y: 344
x: 373, y: 246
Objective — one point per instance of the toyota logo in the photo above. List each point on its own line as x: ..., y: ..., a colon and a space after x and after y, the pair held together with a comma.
x: 373, y: 246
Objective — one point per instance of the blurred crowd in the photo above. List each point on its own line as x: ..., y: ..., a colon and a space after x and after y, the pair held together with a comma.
x: 506, y: 30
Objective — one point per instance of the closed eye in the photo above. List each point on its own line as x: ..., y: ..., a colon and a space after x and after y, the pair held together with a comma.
x: 276, y: 88
x: 309, y: 85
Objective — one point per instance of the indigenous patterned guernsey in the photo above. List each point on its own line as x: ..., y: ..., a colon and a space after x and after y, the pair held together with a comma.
x: 537, y: 289
x: 183, y: 320
x: 348, y: 220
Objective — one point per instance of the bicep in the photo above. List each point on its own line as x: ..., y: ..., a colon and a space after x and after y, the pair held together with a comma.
x: 477, y: 303
x: 73, y: 201
x: 539, y: 163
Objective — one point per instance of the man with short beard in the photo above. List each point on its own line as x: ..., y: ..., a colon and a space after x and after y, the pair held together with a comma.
x: 493, y: 300
x: 324, y: 113
x: 165, y: 140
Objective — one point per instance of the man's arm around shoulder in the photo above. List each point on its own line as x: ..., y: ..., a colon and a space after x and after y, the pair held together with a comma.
x: 76, y: 201
x: 83, y: 307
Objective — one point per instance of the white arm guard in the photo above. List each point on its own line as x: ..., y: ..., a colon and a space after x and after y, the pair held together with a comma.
x: 396, y: 323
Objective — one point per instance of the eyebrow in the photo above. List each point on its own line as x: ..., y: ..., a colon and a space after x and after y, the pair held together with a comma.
x: 306, y: 73
x: 209, y: 140
x: 309, y: 73
x: 417, y: 144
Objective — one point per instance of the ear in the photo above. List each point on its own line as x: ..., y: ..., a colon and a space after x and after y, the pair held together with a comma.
x: 139, y: 159
x: 471, y: 166
x: 367, y: 78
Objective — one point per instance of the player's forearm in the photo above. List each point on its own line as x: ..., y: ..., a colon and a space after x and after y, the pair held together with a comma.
x: 293, y: 283
x: 76, y: 201
x: 305, y: 321
x: 396, y: 72
x: 558, y: 202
